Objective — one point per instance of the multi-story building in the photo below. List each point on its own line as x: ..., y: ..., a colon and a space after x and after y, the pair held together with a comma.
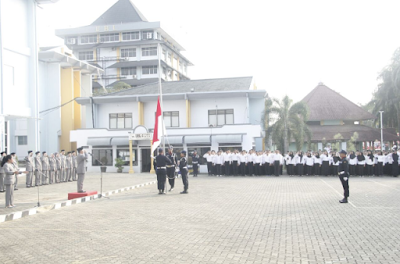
x: 127, y: 47
x: 199, y: 115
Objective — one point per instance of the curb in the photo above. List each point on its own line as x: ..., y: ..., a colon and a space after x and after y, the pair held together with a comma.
x: 36, y: 210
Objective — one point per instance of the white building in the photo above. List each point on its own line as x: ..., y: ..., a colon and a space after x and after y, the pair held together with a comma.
x: 123, y: 43
x: 198, y: 114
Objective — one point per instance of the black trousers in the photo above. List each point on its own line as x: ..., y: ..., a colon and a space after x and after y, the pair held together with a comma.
x: 317, y: 169
x: 300, y: 169
x: 276, y: 167
x: 257, y: 168
x: 335, y: 170
x: 251, y: 168
x: 218, y: 169
x: 227, y: 169
x: 309, y: 170
x: 171, y: 176
x: 380, y: 169
x: 161, y: 176
x: 352, y: 169
x: 325, y: 168
x: 195, y: 169
x: 360, y: 170
x: 345, y: 185
x: 185, y: 179
x: 243, y: 168
x: 267, y: 169
x: 209, y: 168
x: 235, y: 167
x: 370, y: 170
x: 395, y: 169
x: 290, y: 169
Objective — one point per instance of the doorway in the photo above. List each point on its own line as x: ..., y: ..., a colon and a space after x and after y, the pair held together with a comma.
x: 146, y: 160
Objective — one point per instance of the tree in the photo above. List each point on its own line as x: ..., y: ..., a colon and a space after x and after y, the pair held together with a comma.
x: 338, y: 137
x: 387, y: 96
x: 288, y: 122
x: 351, y: 144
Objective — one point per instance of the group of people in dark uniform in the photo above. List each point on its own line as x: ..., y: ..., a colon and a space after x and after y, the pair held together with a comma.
x: 56, y: 168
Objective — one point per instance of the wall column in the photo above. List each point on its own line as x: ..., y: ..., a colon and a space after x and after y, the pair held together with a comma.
x: 77, y: 107
x: 188, y: 114
x: 67, y: 111
x: 140, y: 114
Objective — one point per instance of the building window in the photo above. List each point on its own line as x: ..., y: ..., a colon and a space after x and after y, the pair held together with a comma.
x: 164, y: 52
x: 22, y: 140
x: 128, y: 71
x: 120, y: 121
x: 149, y: 51
x: 220, y: 117
x: 171, y: 119
x: 124, y: 155
x: 200, y: 151
x: 88, y: 39
x: 149, y: 70
x: 86, y: 55
x: 130, y: 35
x: 128, y: 53
x: 102, y: 157
x: 147, y: 35
x: 71, y: 41
x: 109, y: 37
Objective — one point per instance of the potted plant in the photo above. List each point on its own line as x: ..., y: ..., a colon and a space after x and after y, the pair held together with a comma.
x: 119, y: 164
x: 104, y: 161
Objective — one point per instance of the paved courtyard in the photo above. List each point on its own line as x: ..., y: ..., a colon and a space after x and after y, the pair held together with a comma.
x: 221, y: 220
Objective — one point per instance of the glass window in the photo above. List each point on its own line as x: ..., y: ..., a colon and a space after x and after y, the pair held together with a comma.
x: 147, y: 35
x: 152, y: 51
x: 109, y: 37
x: 149, y: 70
x: 102, y: 156
x: 124, y: 155
x: 220, y: 117
x: 171, y: 119
x: 22, y: 140
x: 128, y: 71
x: 87, y: 39
x: 86, y: 55
x: 128, y: 52
x: 130, y: 35
x: 121, y: 121
x: 200, y: 151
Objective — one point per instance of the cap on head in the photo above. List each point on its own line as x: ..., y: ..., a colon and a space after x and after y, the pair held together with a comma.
x: 343, y: 152
x: 62, y: 150
x: 30, y: 151
x: 12, y: 153
x: 171, y: 147
x: 79, y: 149
x: 44, y: 152
x: 183, y: 152
x: 37, y: 152
x: 160, y: 150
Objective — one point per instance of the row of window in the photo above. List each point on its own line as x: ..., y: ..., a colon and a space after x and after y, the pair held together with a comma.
x: 171, y: 119
x: 112, y: 37
x: 131, y: 53
x: 145, y: 70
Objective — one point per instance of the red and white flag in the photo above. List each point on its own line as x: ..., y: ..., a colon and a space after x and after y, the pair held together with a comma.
x: 158, y: 129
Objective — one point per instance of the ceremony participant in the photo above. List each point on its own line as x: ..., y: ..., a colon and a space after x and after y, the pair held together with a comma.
x: 344, y: 175
x: 160, y: 165
x: 218, y: 160
x: 257, y: 164
x: 52, y: 168
x: 68, y: 167
x: 81, y: 170
x: 58, y: 174
x: 249, y: 158
x: 395, y: 163
x: 235, y: 162
x: 74, y: 166
x: 388, y: 164
x: 195, y: 163
x: 38, y: 169
x: 227, y: 162
x: 45, y: 168
x: 360, y: 164
x: 2, y: 173
x: 171, y: 167
x: 325, y: 168
x: 184, y: 172
x: 242, y: 160
x: 290, y: 163
x: 62, y: 160
x: 9, y: 171
x: 352, y: 163
x: 300, y: 163
x: 30, y: 168
x: 335, y: 163
x: 309, y: 162
x: 15, y: 163
x: 278, y: 162
x: 317, y: 164
x: 208, y: 158
x: 370, y: 162
x: 380, y: 163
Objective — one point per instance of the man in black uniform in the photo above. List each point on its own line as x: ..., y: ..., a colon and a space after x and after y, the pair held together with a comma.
x: 184, y: 171
x: 171, y: 168
x: 195, y: 163
x: 160, y: 165
x: 344, y: 175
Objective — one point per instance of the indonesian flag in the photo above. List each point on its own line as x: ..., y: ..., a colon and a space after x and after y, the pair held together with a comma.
x: 158, y: 128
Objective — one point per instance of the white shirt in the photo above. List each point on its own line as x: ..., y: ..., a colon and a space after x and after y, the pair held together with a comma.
x: 242, y: 158
x: 317, y: 160
x: 369, y: 161
x: 234, y: 157
x: 227, y: 157
x: 309, y: 161
x: 218, y: 159
x: 278, y: 157
x: 381, y: 158
x: 258, y: 159
x: 208, y: 157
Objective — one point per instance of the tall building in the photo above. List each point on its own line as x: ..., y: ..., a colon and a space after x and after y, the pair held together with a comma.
x: 125, y: 45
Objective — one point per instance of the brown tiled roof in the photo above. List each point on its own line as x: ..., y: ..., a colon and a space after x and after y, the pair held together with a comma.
x: 365, y: 133
x: 326, y: 104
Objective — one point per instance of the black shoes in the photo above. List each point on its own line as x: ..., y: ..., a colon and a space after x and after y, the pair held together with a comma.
x: 343, y: 201
x: 184, y: 192
x: 81, y: 191
x: 170, y: 190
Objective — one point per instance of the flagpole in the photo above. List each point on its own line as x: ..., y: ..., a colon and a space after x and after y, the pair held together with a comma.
x: 161, y: 98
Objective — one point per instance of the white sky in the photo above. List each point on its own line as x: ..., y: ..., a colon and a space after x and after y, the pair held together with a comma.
x: 288, y: 46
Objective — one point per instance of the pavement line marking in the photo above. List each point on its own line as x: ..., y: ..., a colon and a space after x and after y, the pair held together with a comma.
x: 384, y: 185
x: 337, y: 192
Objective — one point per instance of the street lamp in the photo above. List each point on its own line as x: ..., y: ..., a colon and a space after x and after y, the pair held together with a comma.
x: 380, y: 112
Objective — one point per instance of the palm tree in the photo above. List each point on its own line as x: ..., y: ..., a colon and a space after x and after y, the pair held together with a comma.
x: 289, y: 122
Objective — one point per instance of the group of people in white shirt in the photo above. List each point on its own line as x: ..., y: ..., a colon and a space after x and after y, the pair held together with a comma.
x: 324, y: 163
x: 251, y: 163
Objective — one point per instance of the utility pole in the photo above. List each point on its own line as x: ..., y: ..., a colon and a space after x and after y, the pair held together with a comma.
x: 380, y: 112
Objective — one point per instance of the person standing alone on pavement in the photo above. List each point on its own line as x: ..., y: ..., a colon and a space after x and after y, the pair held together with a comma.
x: 81, y: 159
x: 184, y: 171
x: 344, y: 175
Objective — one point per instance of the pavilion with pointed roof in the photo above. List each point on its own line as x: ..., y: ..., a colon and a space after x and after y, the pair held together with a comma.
x: 127, y: 47
x: 331, y: 113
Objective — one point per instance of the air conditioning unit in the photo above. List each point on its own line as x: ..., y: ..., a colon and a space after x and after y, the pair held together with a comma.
x: 71, y: 41
x: 113, y: 48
